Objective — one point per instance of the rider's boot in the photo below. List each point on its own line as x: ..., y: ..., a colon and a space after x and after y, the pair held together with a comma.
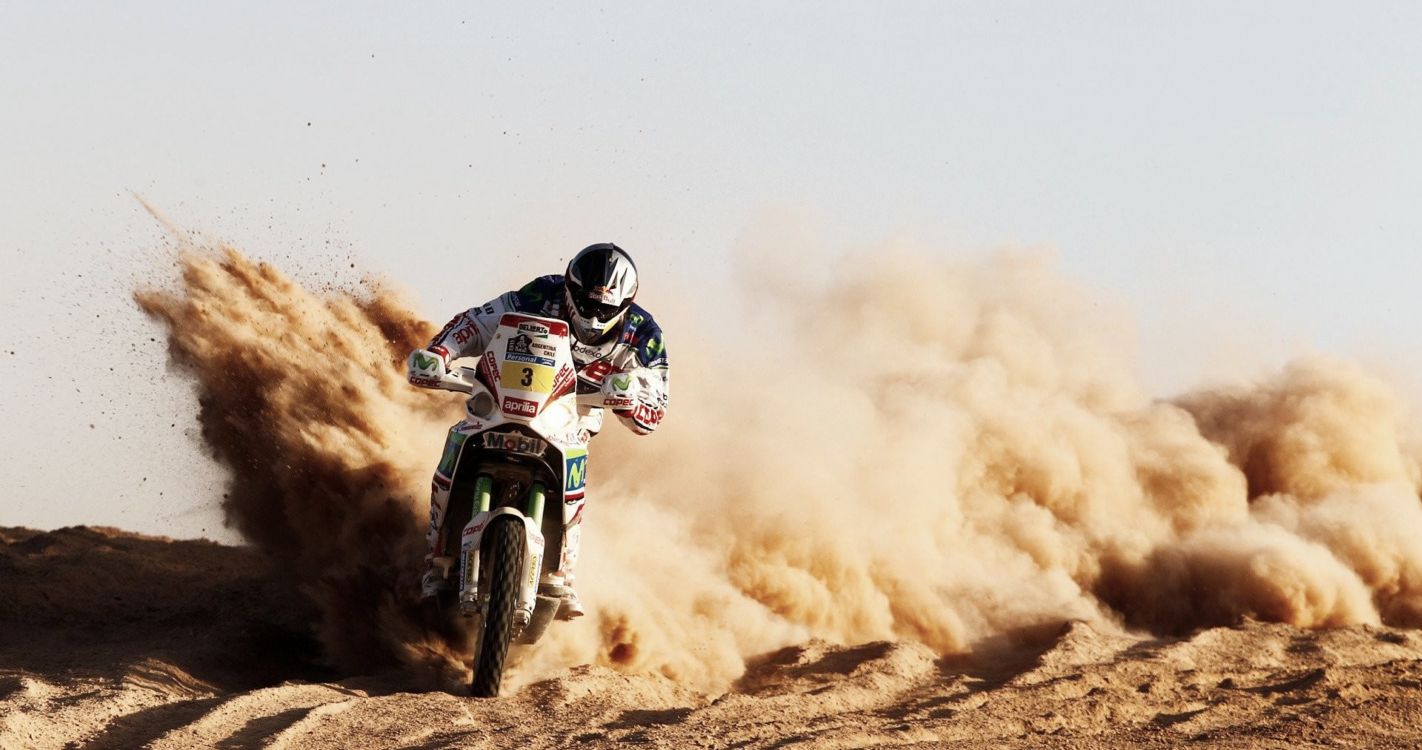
x: 572, y: 607
x: 435, y: 579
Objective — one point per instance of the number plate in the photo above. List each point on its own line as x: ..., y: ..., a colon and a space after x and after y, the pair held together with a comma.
x: 517, y: 376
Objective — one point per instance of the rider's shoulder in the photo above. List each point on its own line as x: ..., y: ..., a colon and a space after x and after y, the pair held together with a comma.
x: 535, y: 295
x: 543, y: 287
x: 644, y: 336
x: 639, y: 320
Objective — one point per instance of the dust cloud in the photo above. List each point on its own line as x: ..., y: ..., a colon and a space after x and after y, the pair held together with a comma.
x: 950, y: 452
x: 303, y: 397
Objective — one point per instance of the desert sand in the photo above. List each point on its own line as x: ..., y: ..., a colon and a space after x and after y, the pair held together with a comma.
x: 114, y: 640
x: 953, y: 517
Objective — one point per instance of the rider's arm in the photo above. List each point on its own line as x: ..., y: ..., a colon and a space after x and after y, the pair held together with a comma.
x: 469, y: 332
x: 653, y: 375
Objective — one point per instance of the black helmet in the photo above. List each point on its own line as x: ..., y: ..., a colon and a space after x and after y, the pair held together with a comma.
x: 601, y: 281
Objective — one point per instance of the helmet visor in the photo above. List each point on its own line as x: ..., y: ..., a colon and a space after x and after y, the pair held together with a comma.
x: 590, y: 308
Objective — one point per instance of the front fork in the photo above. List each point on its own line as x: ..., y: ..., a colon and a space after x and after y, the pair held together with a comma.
x: 473, y: 598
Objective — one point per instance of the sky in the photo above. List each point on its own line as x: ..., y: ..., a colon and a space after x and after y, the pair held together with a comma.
x: 1243, y: 180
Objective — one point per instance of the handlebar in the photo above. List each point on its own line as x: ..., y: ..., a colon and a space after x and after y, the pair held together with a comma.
x: 463, y: 380
x: 598, y: 400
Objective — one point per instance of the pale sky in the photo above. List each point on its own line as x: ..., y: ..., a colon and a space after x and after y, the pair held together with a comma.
x: 1245, y: 180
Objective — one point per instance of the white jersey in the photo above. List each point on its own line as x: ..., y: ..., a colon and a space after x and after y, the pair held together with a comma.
x: 638, y: 347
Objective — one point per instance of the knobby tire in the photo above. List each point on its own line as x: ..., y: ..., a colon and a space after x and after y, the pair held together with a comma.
x: 504, y: 544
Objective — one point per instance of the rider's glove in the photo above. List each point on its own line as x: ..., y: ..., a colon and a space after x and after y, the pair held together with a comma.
x: 427, y: 367
x: 638, y: 398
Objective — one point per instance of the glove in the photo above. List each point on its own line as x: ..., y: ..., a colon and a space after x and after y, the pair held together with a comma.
x: 638, y: 398
x: 427, y: 367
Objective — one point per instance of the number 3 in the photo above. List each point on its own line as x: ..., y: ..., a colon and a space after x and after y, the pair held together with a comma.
x: 527, y: 377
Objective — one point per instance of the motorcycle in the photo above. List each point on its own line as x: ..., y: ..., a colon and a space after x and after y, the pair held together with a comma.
x: 521, y: 445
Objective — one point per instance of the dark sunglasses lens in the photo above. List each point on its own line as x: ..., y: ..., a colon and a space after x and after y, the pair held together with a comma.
x: 590, y: 309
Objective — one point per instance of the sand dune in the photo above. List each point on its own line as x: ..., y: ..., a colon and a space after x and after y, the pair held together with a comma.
x: 114, y: 640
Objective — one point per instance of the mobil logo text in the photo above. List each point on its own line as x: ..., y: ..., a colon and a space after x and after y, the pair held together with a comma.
x: 514, y: 443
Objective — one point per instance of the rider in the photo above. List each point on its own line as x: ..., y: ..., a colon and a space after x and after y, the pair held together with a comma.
x: 611, y: 334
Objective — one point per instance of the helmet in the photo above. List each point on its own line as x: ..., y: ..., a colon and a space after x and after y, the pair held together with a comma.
x: 600, y: 283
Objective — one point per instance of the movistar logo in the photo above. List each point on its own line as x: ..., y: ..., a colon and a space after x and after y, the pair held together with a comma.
x: 621, y: 382
x: 577, y: 473
x: 654, y: 346
x: 424, y: 362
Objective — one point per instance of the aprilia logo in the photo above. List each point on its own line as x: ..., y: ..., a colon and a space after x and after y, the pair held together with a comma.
x: 520, y: 407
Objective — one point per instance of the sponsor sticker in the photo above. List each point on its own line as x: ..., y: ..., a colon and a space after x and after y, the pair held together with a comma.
x: 521, y: 348
x: 489, y: 366
x: 594, y: 372
x: 575, y: 473
x: 571, y: 437
x: 452, y: 447
x: 534, y: 327
x: 454, y: 323
x: 520, y: 407
x: 462, y: 335
x: 563, y: 380
x: 647, y: 416
x: 514, y: 443
x: 590, y: 352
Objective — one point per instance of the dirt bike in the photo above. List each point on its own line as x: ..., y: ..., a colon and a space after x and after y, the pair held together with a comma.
x: 521, y: 445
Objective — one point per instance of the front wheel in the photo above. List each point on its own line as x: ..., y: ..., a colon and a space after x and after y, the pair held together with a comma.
x: 503, y: 549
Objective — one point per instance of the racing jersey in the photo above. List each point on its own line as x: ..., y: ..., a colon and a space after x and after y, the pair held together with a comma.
x: 638, y: 346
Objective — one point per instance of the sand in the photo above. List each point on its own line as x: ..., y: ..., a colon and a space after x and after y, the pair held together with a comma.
x: 950, y: 517
x: 115, y: 640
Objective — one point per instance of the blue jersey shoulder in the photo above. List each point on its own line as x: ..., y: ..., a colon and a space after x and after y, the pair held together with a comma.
x: 645, y: 337
x: 542, y: 296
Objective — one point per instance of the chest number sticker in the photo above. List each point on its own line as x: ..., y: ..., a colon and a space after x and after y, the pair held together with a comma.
x: 529, y: 378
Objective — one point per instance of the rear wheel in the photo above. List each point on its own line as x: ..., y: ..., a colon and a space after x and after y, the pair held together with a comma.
x: 503, y: 549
